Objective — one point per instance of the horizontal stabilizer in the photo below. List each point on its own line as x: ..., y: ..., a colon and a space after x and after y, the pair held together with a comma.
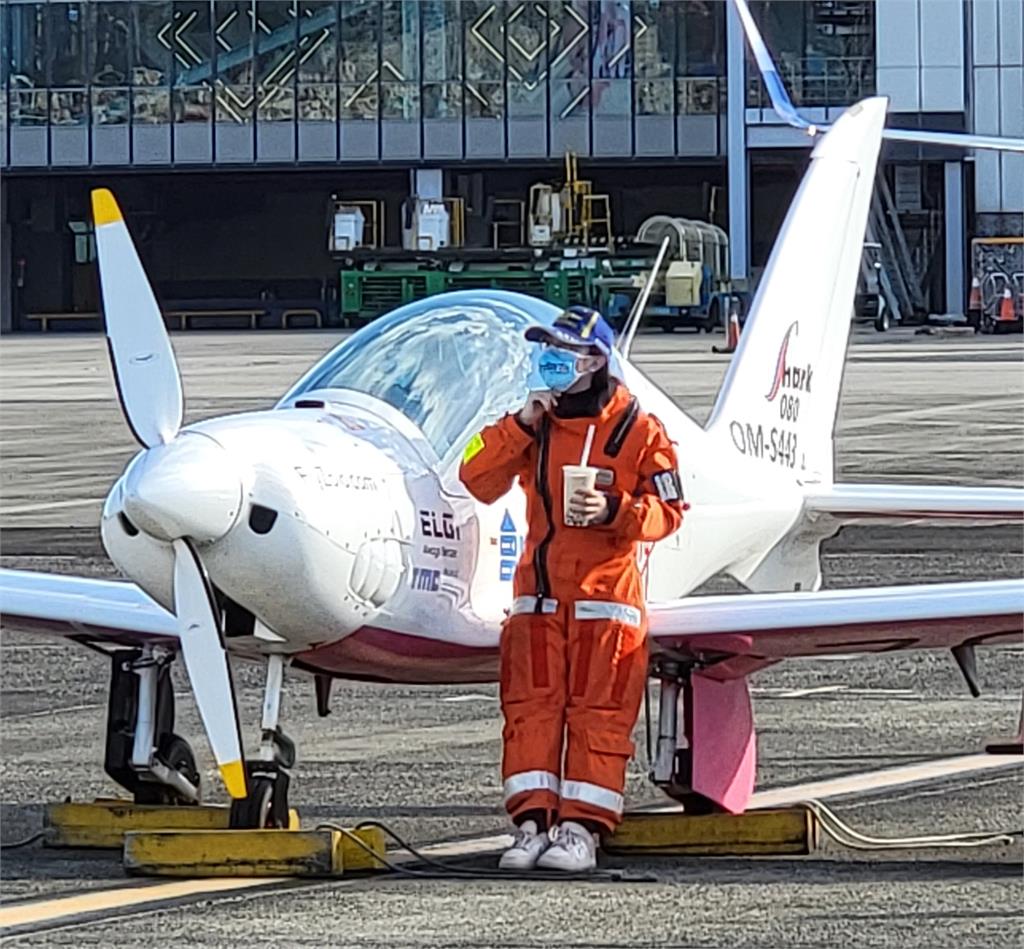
x: 903, y: 501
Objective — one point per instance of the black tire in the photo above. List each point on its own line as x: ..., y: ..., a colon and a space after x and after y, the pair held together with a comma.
x: 177, y: 754
x: 882, y: 322
x: 253, y: 812
x: 667, y: 327
x: 714, y: 317
x: 694, y: 803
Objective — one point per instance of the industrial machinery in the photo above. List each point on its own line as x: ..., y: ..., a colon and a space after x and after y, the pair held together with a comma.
x: 694, y: 289
x: 368, y: 291
x: 570, y: 215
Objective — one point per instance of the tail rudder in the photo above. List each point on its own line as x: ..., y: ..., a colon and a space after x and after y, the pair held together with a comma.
x: 778, y: 402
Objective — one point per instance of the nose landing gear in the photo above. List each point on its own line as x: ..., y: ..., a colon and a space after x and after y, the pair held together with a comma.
x: 268, y: 777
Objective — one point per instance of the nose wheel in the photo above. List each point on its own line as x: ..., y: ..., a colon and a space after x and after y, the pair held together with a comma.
x: 267, y: 776
x: 266, y: 805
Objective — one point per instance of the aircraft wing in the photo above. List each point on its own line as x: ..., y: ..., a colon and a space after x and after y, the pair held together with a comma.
x: 736, y: 634
x: 104, y: 611
x: 901, y: 501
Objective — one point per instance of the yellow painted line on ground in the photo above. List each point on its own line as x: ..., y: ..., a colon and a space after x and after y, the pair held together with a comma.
x: 105, y: 901
x: 886, y: 778
x: 64, y: 909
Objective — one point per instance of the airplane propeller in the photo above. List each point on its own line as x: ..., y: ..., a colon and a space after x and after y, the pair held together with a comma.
x: 150, y: 392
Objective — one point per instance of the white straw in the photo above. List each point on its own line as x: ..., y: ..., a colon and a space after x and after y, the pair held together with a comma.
x: 586, y: 447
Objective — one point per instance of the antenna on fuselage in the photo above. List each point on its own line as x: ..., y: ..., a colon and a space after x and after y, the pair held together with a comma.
x: 625, y: 340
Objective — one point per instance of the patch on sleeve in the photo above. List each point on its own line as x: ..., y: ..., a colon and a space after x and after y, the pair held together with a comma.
x: 666, y: 483
x: 475, y: 446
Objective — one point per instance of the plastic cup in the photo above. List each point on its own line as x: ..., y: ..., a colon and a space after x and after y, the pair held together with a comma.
x: 574, y: 478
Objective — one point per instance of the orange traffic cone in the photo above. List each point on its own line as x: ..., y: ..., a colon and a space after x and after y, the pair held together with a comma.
x: 732, y: 334
x: 974, y: 305
x: 1006, y: 306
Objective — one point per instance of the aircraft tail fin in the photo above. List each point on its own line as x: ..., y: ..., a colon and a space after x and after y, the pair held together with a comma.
x: 778, y: 401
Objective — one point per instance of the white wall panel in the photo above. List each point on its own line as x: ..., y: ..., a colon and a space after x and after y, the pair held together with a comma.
x: 942, y: 33
x: 986, y: 32
x: 1013, y: 183
x: 986, y: 101
x: 987, y: 181
x: 897, y: 32
x: 1011, y: 32
x: 900, y: 84
x: 1011, y: 101
x: 942, y: 89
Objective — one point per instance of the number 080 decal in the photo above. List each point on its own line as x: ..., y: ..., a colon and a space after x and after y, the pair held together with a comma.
x: 666, y: 483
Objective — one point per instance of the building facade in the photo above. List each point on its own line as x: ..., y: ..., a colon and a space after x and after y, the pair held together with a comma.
x: 311, y: 91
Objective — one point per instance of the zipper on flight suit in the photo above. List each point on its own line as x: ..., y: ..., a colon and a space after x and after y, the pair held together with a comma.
x: 540, y: 555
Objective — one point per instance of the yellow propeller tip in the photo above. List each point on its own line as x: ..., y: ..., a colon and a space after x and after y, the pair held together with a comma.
x: 233, y: 775
x: 104, y: 207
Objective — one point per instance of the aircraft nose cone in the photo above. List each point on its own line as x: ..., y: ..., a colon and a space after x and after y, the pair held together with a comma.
x: 190, y: 487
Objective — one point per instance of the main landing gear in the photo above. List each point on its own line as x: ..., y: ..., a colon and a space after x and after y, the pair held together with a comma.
x: 672, y: 767
x: 157, y: 766
x: 143, y: 753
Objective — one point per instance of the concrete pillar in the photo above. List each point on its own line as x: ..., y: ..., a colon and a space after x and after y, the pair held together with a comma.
x: 956, y: 237
x: 736, y: 139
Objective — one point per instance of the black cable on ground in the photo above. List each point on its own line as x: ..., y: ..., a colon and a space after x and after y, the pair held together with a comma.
x: 432, y: 869
x: 15, y: 845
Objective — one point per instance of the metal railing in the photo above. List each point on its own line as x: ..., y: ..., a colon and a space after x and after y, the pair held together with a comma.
x: 818, y: 81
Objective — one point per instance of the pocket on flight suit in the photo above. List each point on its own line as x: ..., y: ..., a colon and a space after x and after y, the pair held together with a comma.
x: 525, y: 667
x: 613, y: 752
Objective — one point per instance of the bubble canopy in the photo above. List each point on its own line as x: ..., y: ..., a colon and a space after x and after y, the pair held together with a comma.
x: 449, y: 363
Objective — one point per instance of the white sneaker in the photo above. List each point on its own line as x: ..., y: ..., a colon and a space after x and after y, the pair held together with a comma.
x: 528, y: 845
x: 574, y: 850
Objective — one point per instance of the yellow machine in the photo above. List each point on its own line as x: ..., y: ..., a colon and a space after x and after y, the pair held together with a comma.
x: 571, y: 215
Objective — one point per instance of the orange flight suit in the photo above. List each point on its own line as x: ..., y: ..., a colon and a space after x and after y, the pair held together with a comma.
x: 574, y: 650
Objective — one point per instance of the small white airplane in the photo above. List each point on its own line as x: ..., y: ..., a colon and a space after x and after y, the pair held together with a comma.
x: 331, y: 534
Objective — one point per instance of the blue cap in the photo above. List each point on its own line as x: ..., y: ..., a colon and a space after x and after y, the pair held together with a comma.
x: 577, y: 326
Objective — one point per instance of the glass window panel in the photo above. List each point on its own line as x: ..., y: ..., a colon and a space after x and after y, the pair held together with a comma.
x: 485, y: 100
x: 152, y: 40
x: 110, y: 105
x: 485, y: 43
x: 654, y: 96
x: 442, y: 40
x: 527, y: 100
x: 529, y: 35
x: 68, y: 45
x: 68, y: 107
x: 28, y: 44
x: 698, y: 96
x: 151, y: 105
x: 234, y: 22
x: 111, y: 43
x: 193, y: 103
x: 654, y: 39
x: 276, y: 57
x: 701, y: 38
x: 358, y: 59
x: 318, y: 41
x: 317, y: 102
x: 400, y: 100
x: 442, y: 100
x: 569, y: 45
x: 5, y: 52
x: 28, y: 106
x: 400, y: 41
x: 191, y: 38
x: 610, y: 41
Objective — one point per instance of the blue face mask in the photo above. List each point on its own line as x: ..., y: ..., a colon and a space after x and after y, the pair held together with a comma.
x: 557, y: 368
